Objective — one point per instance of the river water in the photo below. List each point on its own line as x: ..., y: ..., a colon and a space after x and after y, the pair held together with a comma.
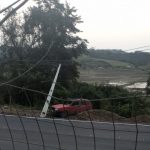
x: 137, y: 85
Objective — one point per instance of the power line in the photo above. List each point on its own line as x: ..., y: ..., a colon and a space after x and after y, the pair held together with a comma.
x: 13, y: 11
x: 61, y: 99
x: 33, y: 61
x: 31, y: 68
x: 137, y: 48
x: 1, y: 11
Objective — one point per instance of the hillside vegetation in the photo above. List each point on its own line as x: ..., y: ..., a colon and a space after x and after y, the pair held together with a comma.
x: 98, y: 66
x: 116, y: 58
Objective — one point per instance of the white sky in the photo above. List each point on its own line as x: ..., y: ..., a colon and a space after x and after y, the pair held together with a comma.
x: 120, y: 24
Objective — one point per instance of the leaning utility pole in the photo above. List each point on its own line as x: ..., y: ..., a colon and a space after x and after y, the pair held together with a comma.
x: 48, y: 100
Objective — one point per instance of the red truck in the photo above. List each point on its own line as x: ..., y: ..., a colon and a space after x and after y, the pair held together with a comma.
x: 71, y: 107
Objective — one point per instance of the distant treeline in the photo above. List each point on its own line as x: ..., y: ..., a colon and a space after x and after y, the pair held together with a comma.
x: 137, y: 58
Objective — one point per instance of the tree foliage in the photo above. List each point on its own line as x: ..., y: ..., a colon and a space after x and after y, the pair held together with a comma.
x: 148, y: 86
x: 27, y: 37
x: 107, y: 97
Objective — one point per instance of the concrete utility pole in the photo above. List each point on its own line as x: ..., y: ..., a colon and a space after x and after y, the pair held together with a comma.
x: 48, y: 100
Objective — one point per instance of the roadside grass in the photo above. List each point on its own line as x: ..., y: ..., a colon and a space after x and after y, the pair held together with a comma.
x: 20, y: 110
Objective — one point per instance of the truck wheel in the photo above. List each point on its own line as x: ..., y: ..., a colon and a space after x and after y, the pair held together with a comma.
x: 63, y: 114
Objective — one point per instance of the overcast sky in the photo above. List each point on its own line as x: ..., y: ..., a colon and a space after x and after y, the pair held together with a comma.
x: 120, y: 24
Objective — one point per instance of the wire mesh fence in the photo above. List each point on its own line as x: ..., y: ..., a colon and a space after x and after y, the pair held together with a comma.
x: 79, y: 128
x: 120, y: 123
